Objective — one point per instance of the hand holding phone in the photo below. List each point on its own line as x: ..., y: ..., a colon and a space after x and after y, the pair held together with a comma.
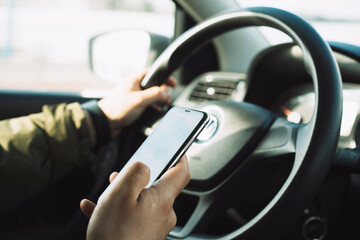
x: 169, y: 141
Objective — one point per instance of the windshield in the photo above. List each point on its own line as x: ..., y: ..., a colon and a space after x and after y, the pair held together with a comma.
x: 334, y: 20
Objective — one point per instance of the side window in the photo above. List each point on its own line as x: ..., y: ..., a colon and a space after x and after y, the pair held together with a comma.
x: 44, y: 43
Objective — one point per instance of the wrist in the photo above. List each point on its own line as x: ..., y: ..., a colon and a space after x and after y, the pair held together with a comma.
x: 99, y: 124
x: 109, y: 111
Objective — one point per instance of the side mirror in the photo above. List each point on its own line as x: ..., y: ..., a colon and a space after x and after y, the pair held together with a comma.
x: 119, y: 54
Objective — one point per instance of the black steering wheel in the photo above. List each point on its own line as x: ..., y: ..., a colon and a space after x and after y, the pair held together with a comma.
x: 246, y: 133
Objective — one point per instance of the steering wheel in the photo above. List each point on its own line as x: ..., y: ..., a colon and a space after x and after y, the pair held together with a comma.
x: 245, y: 133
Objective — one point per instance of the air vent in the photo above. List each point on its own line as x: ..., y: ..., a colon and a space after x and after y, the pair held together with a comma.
x: 213, y: 90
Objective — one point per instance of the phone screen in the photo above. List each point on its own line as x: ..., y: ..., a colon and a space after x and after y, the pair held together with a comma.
x: 169, y: 140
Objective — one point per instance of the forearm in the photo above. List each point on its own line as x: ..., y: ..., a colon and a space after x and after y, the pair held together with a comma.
x: 39, y: 149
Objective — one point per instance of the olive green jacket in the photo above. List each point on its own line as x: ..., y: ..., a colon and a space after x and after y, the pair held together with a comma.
x: 39, y: 149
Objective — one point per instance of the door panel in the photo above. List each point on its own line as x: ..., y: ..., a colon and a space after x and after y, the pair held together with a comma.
x: 15, y: 103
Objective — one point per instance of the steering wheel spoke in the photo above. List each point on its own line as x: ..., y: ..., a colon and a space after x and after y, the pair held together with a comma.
x: 197, y: 220
x: 279, y: 141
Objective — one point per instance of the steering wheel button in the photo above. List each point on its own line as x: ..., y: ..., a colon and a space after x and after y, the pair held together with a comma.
x: 209, y: 131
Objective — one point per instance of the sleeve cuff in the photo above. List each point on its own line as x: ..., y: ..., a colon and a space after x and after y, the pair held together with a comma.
x: 100, y: 121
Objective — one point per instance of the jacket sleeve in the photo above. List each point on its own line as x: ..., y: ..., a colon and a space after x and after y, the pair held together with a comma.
x: 38, y: 149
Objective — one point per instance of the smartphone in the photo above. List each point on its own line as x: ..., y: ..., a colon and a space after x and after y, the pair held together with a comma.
x: 169, y: 141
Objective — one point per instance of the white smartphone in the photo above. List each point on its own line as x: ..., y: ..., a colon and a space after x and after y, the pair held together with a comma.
x: 169, y: 141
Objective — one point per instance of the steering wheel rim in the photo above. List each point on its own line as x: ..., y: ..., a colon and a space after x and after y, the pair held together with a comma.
x: 315, y: 142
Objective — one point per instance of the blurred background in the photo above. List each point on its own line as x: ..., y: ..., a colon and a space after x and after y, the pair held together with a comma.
x: 335, y: 20
x: 44, y: 43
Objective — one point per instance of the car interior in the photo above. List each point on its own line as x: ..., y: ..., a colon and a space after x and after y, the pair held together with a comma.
x: 282, y: 160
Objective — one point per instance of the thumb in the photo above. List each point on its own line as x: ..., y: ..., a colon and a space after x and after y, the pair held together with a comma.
x: 156, y: 94
x: 175, y: 179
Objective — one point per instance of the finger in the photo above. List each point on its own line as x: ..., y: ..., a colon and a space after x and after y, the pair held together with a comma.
x: 140, y: 77
x: 87, y: 207
x: 133, y: 181
x: 112, y: 176
x: 156, y: 94
x: 171, y: 81
x: 175, y: 179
